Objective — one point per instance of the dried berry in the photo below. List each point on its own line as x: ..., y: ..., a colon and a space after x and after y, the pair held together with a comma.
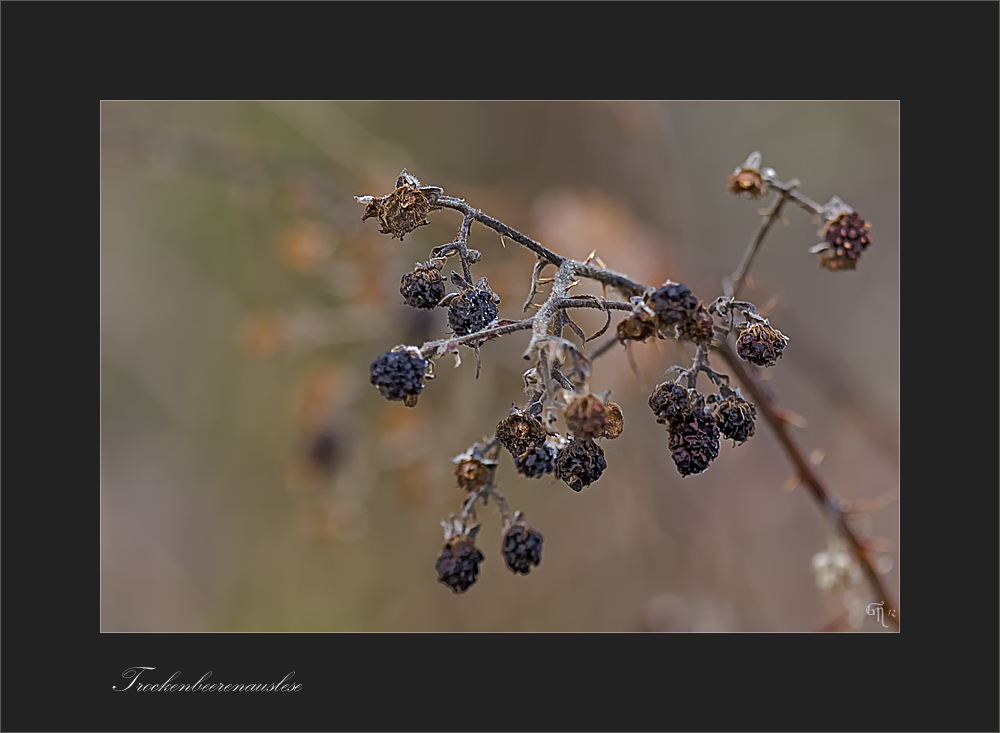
x: 614, y: 421
x: 586, y: 416
x: 735, y: 418
x: 846, y: 238
x: 694, y: 441
x: 699, y: 327
x: 399, y: 375
x: 473, y: 474
x: 522, y: 547
x: 669, y: 401
x: 458, y: 563
x: 635, y: 328
x: 423, y: 287
x: 747, y: 182
x: 537, y: 460
x: 760, y: 344
x: 400, y: 212
x: 471, y: 311
x: 580, y: 464
x: 673, y: 303
x: 517, y: 431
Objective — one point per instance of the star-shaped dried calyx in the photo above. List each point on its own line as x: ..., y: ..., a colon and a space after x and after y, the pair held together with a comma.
x: 477, y: 466
x: 406, y: 208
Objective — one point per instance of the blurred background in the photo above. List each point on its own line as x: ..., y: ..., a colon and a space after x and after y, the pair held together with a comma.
x: 253, y: 480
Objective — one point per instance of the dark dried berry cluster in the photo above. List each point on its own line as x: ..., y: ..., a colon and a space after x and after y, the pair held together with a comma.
x: 537, y: 460
x: 580, y: 463
x: 458, y: 563
x: 846, y: 237
x: 694, y: 441
x: 399, y: 375
x: 406, y: 208
x: 747, y: 182
x: 471, y: 311
x: 672, y: 303
x: 517, y: 431
x: 423, y: 287
x: 668, y: 401
x: 736, y: 418
x: 760, y: 344
x: 522, y: 547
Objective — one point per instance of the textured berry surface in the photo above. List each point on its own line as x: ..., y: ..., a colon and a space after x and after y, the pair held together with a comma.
x: 760, y: 345
x: 458, y: 564
x: 735, y: 418
x: 516, y: 432
x: 847, y: 237
x: 471, y: 311
x: 398, y: 375
x: 522, y: 548
x: 422, y: 288
x: 698, y: 328
x: 673, y: 303
x: 694, y: 442
x: 668, y: 401
x: 537, y: 460
x: 580, y: 464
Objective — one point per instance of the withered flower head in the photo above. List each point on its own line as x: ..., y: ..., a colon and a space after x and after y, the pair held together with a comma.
x: 586, y: 416
x: 518, y: 430
x: 761, y: 344
x: 747, y: 180
x: 406, y: 208
x: 635, y: 328
x: 699, y: 327
x: 614, y: 421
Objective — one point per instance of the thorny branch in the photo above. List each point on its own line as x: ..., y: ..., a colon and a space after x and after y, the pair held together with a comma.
x: 547, y: 325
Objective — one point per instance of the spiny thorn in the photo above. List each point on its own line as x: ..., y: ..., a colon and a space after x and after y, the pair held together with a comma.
x: 791, y: 483
x: 600, y: 262
x: 543, y: 280
x: 590, y: 257
x: 573, y: 284
x: 792, y: 418
x: 817, y: 456
x: 502, y: 243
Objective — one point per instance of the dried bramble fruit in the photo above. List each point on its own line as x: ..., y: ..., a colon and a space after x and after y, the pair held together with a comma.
x: 580, y: 464
x: 614, y: 421
x: 846, y: 238
x: 673, y: 303
x: 586, y: 416
x: 735, y: 418
x: 669, y: 401
x: 748, y: 182
x: 400, y: 212
x: 522, y: 547
x: 517, y: 431
x: 458, y: 563
x: 472, y: 474
x: 471, y: 311
x: 694, y: 441
x: 699, y: 327
x: 423, y: 287
x: 760, y: 344
x: 399, y: 375
x: 635, y: 328
x: 537, y: 460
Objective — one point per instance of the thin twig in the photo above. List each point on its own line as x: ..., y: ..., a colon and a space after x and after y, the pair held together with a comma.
x: 740, y: 276
x: 765, y: 405
x: 484, y: 335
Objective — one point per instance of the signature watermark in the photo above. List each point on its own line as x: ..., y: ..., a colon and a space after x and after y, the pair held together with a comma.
x: 202, y: 685
x: 875, y: 609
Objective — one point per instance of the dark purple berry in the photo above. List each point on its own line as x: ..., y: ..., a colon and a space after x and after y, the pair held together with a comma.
x: 761, y: 345
x: 694, y: 441
x: 673, y: 303
x: 537, y: 460
x: 580, y: 464
x: 398, y: 375
x: 522, y: 548
x: 471, y: 311
x: 458, y: 563
x: 422, y: 288
x: 735, y: 418
x: 668, y: 401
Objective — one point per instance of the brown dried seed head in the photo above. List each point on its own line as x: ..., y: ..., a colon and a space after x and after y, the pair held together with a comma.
x: 614, y: 421
x: 473, y: 474
x: 586, y: 416
x: 400, y: 212
x: 516, y: 432
x: 747, y: 182
x: 635, y: 328
x: 698, y: 328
